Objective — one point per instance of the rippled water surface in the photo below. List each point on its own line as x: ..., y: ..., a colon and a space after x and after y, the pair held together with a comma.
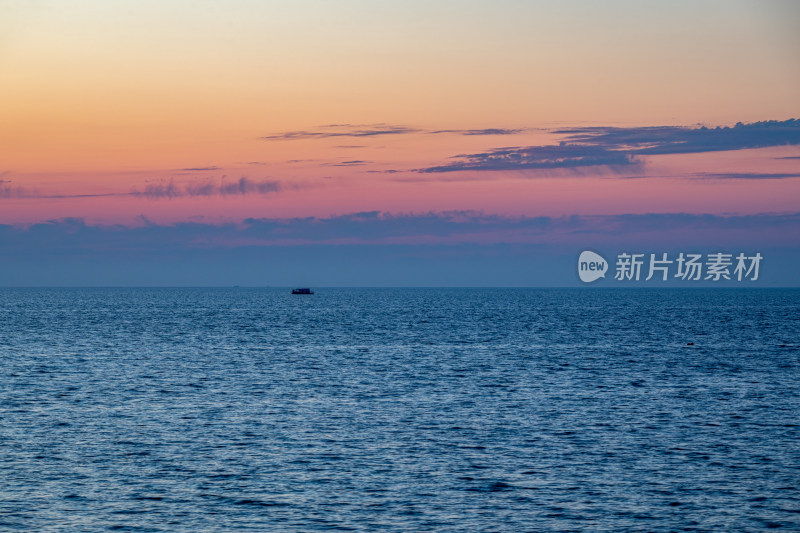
x: 399, y: 410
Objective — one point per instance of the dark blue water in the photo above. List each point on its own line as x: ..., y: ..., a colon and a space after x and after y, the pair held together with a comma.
x: 399, y: 410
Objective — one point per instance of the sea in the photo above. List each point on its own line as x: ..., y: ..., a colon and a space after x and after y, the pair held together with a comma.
x: 357, y: 409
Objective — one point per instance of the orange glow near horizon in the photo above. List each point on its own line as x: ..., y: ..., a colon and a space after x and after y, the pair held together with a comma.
x: 100, y: 101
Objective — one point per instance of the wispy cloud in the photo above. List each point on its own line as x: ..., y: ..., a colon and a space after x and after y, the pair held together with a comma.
x: 22, y: 193
x: 484, y: 131
x: 162, y: 190
x: 242, y: 186
x: 683, y: 140
x: 748, y: 175
x: 353, y: 163
x: 535, y: 157
x: 11, y: 191
x: 200, y: 169
x: 373, y: 130
x: 342, y: 130
x: 621, y: 147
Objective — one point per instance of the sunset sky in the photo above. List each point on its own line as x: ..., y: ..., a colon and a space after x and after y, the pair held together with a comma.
x: 391, y: 143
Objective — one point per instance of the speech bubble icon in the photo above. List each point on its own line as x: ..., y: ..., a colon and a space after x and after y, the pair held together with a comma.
x: 591, y: 266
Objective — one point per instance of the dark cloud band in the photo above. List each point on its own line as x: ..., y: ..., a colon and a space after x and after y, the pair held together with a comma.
x: 620, y: 147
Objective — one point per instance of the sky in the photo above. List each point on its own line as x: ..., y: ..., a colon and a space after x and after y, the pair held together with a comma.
x: 405, y: 143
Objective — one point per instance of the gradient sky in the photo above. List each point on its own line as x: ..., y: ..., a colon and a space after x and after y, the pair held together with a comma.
x: 403, y: 130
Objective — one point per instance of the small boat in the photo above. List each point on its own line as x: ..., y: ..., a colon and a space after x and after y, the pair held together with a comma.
x: 302, y: 291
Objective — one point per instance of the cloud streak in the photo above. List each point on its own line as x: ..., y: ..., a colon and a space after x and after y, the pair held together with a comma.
x: 748, y: 175
x: 484, y: 131
x: 535, y: 158
x: 353, y: 163
x: 200, y: 169
x: 241, y: 187
x: 623, y: 147
x: 374, y: 130
x: 682, y: 140
x: 342, y: 130
x: 162, y: 191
